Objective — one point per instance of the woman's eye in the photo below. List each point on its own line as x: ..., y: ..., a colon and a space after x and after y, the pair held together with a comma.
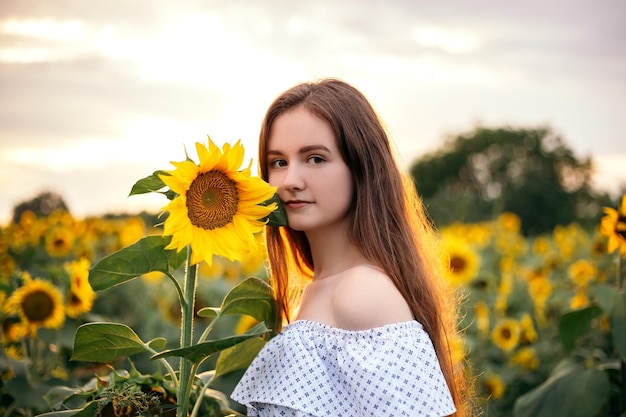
x: 316, y: 159
x: 278, y: 163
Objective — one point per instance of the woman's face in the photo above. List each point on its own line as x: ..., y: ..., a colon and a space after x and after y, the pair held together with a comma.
x: 305, y: 163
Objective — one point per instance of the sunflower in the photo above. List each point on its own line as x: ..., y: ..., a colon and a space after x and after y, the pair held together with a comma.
x: 613, y: 226
x: 509, y: 222
x: 540, y: 289
x: 579, y: 300
x: 582, y: 272
x: 494, y: 385
x: 153, y: 277
x: 482, y: 317
x: 245, y: 323
x: 460, y: 260
x: 506, y: 334
x: 526, y: 358
x: 219, y: 207
x: 39, y: 303
x: 81, y: 295
x: 542, y: 246
x: 13, y: 330
x: 59, y: 241
x: 528, y: 334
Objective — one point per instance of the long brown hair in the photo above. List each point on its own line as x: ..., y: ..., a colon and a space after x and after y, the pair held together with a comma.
x: 388, y: 223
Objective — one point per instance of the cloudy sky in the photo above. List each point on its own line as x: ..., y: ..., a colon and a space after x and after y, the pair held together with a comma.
x: 97, y: 94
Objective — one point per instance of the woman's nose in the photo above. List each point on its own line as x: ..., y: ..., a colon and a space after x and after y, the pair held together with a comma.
x: 293, y: 178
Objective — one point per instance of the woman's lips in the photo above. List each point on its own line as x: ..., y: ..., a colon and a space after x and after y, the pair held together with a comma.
x: 295, y: 204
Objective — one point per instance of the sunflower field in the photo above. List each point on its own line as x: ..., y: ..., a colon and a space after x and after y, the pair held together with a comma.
x: 543, y: 317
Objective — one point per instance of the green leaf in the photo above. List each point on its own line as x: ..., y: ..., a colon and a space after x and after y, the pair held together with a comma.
x: 278, y: 217
x: 176, y: 259
x: 253, y: 297
x: 606, y: 296
x: 149, y: 184
x: 157, y: 343
x: 90, y: 410
x: 613, y: 302
x: 198, y: 353
x: 209, y: 312
x: 575, y: 324
x: 58, y: 395
x: 105, y: 342
x: 579, y: 393
x: 146, y: 255
x: 24, y: 393
x: 239, y: 356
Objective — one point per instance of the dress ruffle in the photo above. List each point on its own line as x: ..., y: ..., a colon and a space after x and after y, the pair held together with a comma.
x: 313, y: 369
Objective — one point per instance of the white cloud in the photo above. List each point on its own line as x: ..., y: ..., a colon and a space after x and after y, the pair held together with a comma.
x: 454, y: 41
x: 94, y: 87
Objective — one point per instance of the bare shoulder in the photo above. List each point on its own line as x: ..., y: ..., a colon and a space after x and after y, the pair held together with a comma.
x: 365, y: 297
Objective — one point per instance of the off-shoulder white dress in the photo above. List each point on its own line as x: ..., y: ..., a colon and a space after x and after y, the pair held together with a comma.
x: 313, y: 369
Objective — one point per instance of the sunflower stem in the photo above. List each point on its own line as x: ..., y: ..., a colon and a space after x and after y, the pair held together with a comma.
x: 619, y: 271
x: 186, y: 336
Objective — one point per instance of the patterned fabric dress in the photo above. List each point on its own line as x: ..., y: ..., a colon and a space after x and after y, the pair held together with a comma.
x: 313, y: 369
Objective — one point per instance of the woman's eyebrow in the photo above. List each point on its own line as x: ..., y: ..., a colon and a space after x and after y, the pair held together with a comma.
x: 310, y: 148
x: 304, y: 149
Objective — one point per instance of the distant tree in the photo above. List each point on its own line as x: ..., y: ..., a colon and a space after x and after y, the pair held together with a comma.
x: 42, y: 205
x: 530, y: 172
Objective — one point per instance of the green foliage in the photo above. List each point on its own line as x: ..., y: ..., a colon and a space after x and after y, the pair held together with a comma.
x: 108, y: 342
x: 575, y: 324
x: 530, y: 172
x: 590, y: 381
x: 578, y: 392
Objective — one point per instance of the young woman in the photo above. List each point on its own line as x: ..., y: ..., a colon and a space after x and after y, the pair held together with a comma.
x: 370, y: 333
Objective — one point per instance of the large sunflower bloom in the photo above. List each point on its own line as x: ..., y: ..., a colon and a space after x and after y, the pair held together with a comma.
x: 218, y: 208
x: 613, y: 225
x: 39, y: 303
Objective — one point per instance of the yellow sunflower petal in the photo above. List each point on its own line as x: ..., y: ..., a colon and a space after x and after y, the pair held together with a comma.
x: 209, y: 157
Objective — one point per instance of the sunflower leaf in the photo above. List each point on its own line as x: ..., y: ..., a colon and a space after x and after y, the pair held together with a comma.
x: 575, y: 324
x: 239, y: 356
x: 252, y: 297
x: 89, y: 410
x: 176, y: 259
x: 578, y: 393
x: 149, y: 184
x: 146, y: 255
x: 106, y: 342
x: 278, y: 217
x: 613, y: 302
x: 201, y: 351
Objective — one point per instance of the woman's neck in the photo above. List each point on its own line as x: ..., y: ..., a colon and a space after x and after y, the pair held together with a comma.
x: 333, y: 252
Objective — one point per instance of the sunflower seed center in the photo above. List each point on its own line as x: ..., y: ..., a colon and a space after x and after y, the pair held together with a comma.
x: 37, y: 306
x: 212, y: 200
x: 620, y: 226
x: 457, y: 263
